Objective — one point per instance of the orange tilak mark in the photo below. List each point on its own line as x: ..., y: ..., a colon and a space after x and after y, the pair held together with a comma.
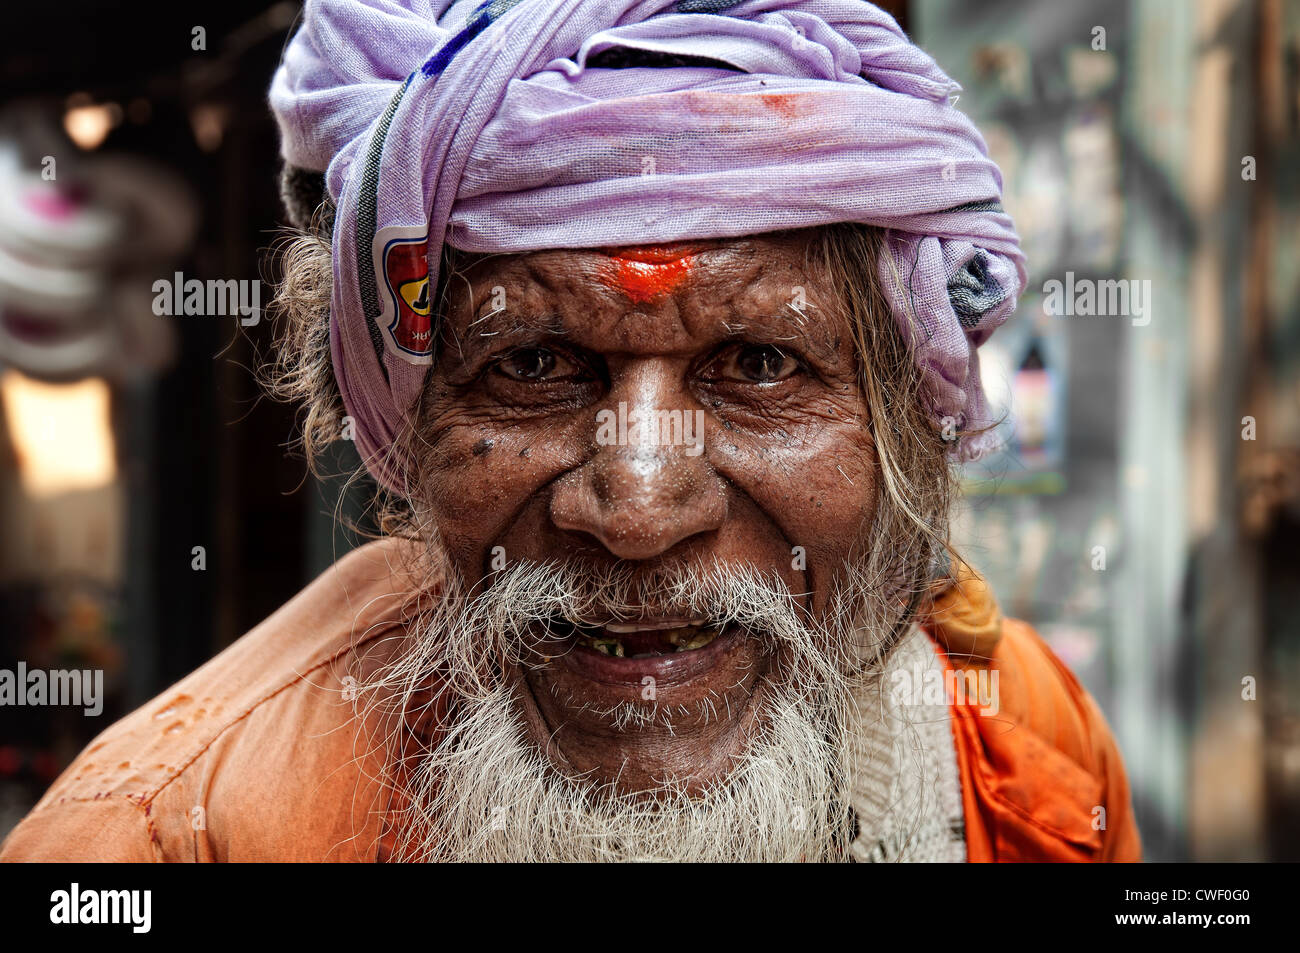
x: 646, y: 272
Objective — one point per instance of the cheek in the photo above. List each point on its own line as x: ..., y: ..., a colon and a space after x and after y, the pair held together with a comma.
x: 478, y: 476
x: 818, y: 485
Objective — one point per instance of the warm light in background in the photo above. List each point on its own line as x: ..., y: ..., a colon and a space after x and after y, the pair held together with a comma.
x: 89, y: 125
x: 62, y: 433
x: 209, y: 124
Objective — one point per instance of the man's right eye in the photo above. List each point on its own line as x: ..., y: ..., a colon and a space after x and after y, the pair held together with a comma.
x: 535, y: 364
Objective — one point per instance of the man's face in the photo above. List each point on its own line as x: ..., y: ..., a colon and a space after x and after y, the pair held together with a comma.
x: 752, y: 453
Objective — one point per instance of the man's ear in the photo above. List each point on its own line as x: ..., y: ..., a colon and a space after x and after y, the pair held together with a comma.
x: 306, y: 203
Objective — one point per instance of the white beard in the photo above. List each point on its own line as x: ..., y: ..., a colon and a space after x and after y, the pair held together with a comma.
x: 485, y: 792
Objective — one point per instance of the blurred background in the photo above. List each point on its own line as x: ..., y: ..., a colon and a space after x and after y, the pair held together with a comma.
x: 1144, y: 516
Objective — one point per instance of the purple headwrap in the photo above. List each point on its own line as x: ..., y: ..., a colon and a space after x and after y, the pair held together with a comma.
x: 486, y: 127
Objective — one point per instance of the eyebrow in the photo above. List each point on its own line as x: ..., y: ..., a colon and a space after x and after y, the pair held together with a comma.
x: 489, y: 324
x: 794, y: 324
x: 502, y: 321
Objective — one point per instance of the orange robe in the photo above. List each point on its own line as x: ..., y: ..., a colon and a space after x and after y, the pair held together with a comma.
x: 1042, y: 780
x: 259, y: 755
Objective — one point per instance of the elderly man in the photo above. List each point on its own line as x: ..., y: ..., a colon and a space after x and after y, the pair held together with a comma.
x: 656, y: 323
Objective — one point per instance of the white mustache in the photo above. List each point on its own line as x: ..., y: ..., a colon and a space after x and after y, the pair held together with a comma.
x: 521, y: 608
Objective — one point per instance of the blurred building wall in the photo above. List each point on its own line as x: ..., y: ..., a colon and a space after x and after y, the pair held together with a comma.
x: 1154, y: 141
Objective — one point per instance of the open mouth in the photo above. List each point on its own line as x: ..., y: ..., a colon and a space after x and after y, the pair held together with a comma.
x: 637, y: 640
x: 675, y: 648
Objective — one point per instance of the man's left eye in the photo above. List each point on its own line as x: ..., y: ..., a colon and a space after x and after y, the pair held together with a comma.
x: 757, y: 364
x: 535, y: 364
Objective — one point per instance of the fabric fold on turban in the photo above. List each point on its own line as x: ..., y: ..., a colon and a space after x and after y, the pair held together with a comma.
x: 490, y: 127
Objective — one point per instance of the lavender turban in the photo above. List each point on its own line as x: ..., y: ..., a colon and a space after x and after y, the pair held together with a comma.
x: 488, y: 128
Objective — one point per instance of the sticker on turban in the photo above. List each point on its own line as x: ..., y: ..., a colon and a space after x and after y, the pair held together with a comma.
x: 402, y: 257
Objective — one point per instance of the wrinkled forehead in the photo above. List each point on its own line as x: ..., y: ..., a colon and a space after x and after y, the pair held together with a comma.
x: 732, y: 283
x: 644, y: 274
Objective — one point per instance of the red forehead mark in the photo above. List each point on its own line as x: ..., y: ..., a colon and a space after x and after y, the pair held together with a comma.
x: 646, y: 272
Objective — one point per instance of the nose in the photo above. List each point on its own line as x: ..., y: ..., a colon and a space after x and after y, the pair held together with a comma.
x: 648, y: 486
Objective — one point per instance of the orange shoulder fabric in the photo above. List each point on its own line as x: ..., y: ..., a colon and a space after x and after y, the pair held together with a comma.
x: 1041, y: 776
x: 259, y: 755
